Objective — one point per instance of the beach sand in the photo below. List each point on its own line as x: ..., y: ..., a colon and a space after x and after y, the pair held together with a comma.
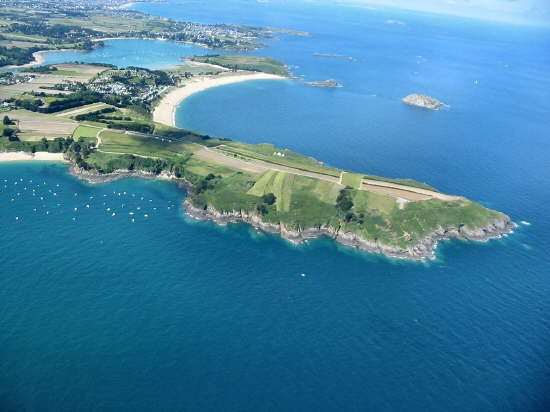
x: 24, y: 156
x: 165, y: 111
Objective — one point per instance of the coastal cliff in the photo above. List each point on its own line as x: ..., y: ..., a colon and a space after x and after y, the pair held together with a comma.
x: 423, y: 250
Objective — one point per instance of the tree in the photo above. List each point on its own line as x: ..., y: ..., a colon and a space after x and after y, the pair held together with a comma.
x: 261, y: 208
x: 269, y: 199
x: 7, y: 121
x: 343, y: 201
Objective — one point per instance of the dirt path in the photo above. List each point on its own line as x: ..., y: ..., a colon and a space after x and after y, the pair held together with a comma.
x: 98, y: 137
x: 258, y: 166
x: 80, y: 110
x: 425, y: 193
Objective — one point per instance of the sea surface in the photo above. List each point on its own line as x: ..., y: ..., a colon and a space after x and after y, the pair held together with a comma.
x: 112, y: 299
x: 151, y: 54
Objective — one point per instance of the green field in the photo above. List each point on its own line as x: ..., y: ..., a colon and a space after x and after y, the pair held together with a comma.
x: 88, y: 133
x: 267, y: 153
x: 278, y: 183
x: 352, y: 180
x: 245, y: 62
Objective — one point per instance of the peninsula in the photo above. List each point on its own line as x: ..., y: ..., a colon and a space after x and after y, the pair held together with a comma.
x: 114, y: 123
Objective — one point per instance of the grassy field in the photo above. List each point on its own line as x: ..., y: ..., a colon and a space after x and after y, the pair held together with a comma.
x: 35, y: 126
x: 88, y: 133
x: 244, y: 62
x: 113, y: 141
x: 278, y: 183
x: 267, y: 153
x: 352, y: 180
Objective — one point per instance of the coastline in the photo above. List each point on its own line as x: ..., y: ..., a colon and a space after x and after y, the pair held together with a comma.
x: 38, y: 59
x: 422, y: 251
x: 165, y: 111
x: 25, y: 156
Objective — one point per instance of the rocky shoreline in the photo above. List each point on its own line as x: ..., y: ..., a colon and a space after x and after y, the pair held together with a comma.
x: 422, y: 251
x: 96, y: 178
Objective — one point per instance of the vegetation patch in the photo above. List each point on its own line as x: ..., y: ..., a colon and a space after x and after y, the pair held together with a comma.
x: 244, y: 62
x: 352, y: 179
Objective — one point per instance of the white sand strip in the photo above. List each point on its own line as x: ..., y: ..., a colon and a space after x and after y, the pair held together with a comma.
x: 25, y: 156
x: 165, y: 111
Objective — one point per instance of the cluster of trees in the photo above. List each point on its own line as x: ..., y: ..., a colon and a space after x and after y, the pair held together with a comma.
x: 57, y: 31
x: 344, y: 201
x: 58, y: 145
x: 96, y: 115
x: 206, y: 183
x: 267, y: 199
x: 132, y: 126
x: 180, y: 134
x: 33, y: 105
x: 76, y: 99
x: 130, y: 162
x: 10, y: 134
x: 16, y: 55
x: 42, y: 69
x: 65, y: 102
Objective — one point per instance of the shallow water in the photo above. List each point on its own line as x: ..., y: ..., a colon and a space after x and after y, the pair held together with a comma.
x: 151, y: 54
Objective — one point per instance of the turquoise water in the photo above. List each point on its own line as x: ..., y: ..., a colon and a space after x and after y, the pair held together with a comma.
x: 165, y: 313
x: 151, y: 54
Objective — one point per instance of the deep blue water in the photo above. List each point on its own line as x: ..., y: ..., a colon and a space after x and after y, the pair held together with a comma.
x: 164, y: 313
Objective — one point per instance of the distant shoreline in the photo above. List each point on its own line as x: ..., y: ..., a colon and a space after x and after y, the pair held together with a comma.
x: 165, y: 111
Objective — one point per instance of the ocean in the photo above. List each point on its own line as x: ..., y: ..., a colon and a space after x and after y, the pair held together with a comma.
x: 112, y: 299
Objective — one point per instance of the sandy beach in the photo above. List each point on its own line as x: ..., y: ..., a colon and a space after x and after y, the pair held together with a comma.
x: 25, y: 156
x: 165, y: 111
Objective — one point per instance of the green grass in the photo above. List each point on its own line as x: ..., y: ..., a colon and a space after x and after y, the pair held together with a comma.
x: 352, y: 180
x: 204, y: 167
x: 69, y: 73
x: 370, y: 202
x: 265, y: 152
x: 245, y: 62
x: 278, y: 183
x: 88, y: 133
x: 112, y: 141
x: 264, y: 183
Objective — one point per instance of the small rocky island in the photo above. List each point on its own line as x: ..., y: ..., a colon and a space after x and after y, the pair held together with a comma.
x: 421, y: 100
x: 326, y: 83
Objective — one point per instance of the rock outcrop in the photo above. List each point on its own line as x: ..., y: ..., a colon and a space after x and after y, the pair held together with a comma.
x: 421, y: 100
